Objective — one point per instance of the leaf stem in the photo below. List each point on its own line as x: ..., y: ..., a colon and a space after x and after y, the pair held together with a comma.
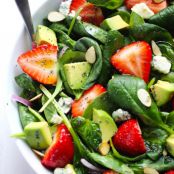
x: 36, y: 114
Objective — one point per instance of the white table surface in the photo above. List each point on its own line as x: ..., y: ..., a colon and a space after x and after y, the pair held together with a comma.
x: 11, y: 161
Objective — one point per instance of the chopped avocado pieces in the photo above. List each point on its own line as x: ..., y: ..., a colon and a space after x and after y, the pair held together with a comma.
x: 114, y: 23
x: 69, y: 169
x: 38, y: 135
x: 170, y: 144
x: 77, y: 74
x: 162, y: 92
x: 106, y: 123
x: 45, y: 35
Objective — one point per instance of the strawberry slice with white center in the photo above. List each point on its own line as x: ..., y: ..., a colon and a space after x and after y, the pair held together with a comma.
x: 79, y: 106
x: 155, y: 7
x: 134, y: 59
x: 90, y: 13
x: 128, y: 139
x: 40, y: 64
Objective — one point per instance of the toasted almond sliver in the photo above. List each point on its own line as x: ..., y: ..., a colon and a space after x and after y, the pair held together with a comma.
x: 55, y: 16
x: 144, y: 97
x: 148, y: 170
x: 36, y: 97
x: 156, y: 49
x: 158, y: 1
x: 38, y: 153
x: 90, y: 55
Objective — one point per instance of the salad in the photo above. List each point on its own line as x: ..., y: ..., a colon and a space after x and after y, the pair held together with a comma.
x: 98, y: 86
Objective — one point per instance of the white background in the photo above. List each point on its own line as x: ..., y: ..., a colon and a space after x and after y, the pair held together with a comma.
x: 11, y: 161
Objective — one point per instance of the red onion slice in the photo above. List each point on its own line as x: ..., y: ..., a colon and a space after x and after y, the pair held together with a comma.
x: 91, y: 166
x: 19, y: 99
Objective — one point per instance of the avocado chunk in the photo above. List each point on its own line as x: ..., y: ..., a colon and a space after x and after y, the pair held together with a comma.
x: 77, y: 74
x: 162, y: 92
x: 45, y: 35
x: 114, y: 23
x: 106, y: 123
x: 38, y: 135
x: 69, y: 169
x: 170, y: 144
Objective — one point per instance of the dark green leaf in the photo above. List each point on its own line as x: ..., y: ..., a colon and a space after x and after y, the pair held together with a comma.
x: 111, y: 163
x: 88, y: 131
x: 25, y: 82
x: 101, y: 102
x: 149, y: 32
x: 165, y: 18
x: 84, y: 44
x: 168, y: 77
x: 170, y: 119
x: 25, y: 115
x: 110, y: 4
x: 136, y: 19
x: 115, y: 40
x: 56, y: 27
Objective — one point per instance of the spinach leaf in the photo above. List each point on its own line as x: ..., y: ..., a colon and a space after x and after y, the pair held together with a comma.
x: 56, y: 27
x: 123, y: 91
x: 88, y: 131
x: 168, y: 77
x: 25, y: 82
x: 50, y: 110
x: 88, y: 30
x: 65, y: 39
x: 110, y: 4
x: 135, y: 19
x: 168, y: 51
x: 101, y: 102
x: 110, y: 162
x: 82, y: 45
x: 114, y: 41
x: 163, y: 164
x: 165, y: 18
x: 70, y: 57
x: 149, y: 32
x: 25, y: 115
x: 170, y: 120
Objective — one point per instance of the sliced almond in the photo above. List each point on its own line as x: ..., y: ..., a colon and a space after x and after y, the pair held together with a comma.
x: 38, y: 153
x: 148, y: 170
x: 158, y: 1
x: 55, y: 16
x: 156, y: 49
x: 90, y: 55
x: 104, y: 148
x: 144, y: 97
x: 36, y: 97
x: 164, y: 152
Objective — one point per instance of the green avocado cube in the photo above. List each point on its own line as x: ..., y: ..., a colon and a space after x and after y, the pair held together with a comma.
x: 77, y: 74
x: 170, y: 144
x: 114, y: 23
x: 45, y: 35
x: 38, y: 135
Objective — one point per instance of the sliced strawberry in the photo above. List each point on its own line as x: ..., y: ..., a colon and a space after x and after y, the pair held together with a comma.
x: 40, y: 63
x: 110, y: 172
x: 170, y: 172
x: 134, y: 59
x: 90, y: 12
x: 155, y: 7
x: 79, y: 106
x: 128, y: 139
x: 61, y: 151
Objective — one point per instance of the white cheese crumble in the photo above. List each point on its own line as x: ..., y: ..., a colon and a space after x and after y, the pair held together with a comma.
x: 56, y: 119
x: 121, y: 115
x: 161, y: 64
x: 143, y: 10
x: 65, y: 7
x: 73, y: 13
x: 65, y: 104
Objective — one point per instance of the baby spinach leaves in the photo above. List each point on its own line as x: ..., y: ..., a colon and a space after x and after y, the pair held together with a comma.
x: 149, y: 32
x: 88, y: 131
x: 82, y: 45
x: 110, y: 4
x: 135, y: 19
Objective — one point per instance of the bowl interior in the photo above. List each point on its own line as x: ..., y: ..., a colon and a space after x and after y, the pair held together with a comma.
x: 10, y: 108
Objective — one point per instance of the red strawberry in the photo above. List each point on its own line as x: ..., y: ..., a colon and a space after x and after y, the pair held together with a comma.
x: 61, y: 151
x: 90, y: 12
x: 155, y: 7
x: 40, y: 63
x: 128, y: 139
x: 110, y: 172
x: 170, y: 172
x: 134, y: 59
x: 79, y: 106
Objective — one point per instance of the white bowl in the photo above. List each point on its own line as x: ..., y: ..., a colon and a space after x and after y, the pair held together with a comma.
x: 10, y: 109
